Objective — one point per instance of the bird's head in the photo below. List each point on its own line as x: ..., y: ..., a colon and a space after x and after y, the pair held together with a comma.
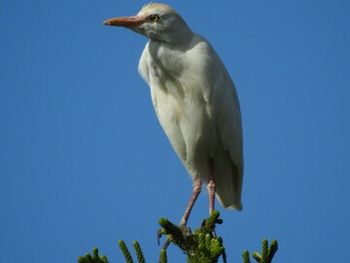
x: 158, y: 22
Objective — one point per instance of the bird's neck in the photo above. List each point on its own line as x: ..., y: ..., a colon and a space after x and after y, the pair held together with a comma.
x: 177, y: 40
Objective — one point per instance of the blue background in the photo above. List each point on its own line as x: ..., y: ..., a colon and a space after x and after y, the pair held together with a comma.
x: 84, y: 162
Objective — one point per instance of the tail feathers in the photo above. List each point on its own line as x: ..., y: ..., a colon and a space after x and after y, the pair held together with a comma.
x: 229, y: 187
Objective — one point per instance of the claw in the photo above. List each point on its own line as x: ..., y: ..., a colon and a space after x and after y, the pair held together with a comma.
x: 184, y: 229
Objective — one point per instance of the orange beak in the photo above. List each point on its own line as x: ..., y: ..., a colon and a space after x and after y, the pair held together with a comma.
x: 128, y: 21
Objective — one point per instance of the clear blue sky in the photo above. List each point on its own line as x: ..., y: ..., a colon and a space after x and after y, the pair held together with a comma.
x: 84, y: 162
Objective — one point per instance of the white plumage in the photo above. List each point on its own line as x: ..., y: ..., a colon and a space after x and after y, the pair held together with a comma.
x: 194, y: 99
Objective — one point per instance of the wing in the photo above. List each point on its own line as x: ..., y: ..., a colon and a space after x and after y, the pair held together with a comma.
x: 229, y: 125
x: 164, y: 94
x: 225, y: 109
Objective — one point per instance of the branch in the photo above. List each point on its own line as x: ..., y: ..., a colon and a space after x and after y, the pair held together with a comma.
x: 200, y: 246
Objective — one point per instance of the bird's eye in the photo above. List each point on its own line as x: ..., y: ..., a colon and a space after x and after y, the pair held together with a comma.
x: 154, y: 18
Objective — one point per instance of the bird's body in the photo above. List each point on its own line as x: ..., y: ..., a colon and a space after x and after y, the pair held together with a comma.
x: 194, y: 99
x: 199, y: 112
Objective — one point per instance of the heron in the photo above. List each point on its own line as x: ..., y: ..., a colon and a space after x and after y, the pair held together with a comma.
x: 195, y: 101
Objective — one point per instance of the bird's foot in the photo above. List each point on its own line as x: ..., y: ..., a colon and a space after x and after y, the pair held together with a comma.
x: 200, y: 241
x: 174, y: 233
x: 185, y: 230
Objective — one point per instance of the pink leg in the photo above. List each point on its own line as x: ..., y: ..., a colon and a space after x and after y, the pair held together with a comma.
x: 197, y: 187
x: 211, y: 187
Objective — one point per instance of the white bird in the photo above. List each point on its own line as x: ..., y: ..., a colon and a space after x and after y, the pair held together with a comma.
x: 195, y: 101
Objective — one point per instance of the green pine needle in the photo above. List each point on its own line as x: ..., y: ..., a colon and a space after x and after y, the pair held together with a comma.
x: 273, y: 249
x: 245, y: 256
x: 94, y: 258
x: 139, y: 253
x: 163, y: 256
x: 125, y: 251
x: 267, y: 252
